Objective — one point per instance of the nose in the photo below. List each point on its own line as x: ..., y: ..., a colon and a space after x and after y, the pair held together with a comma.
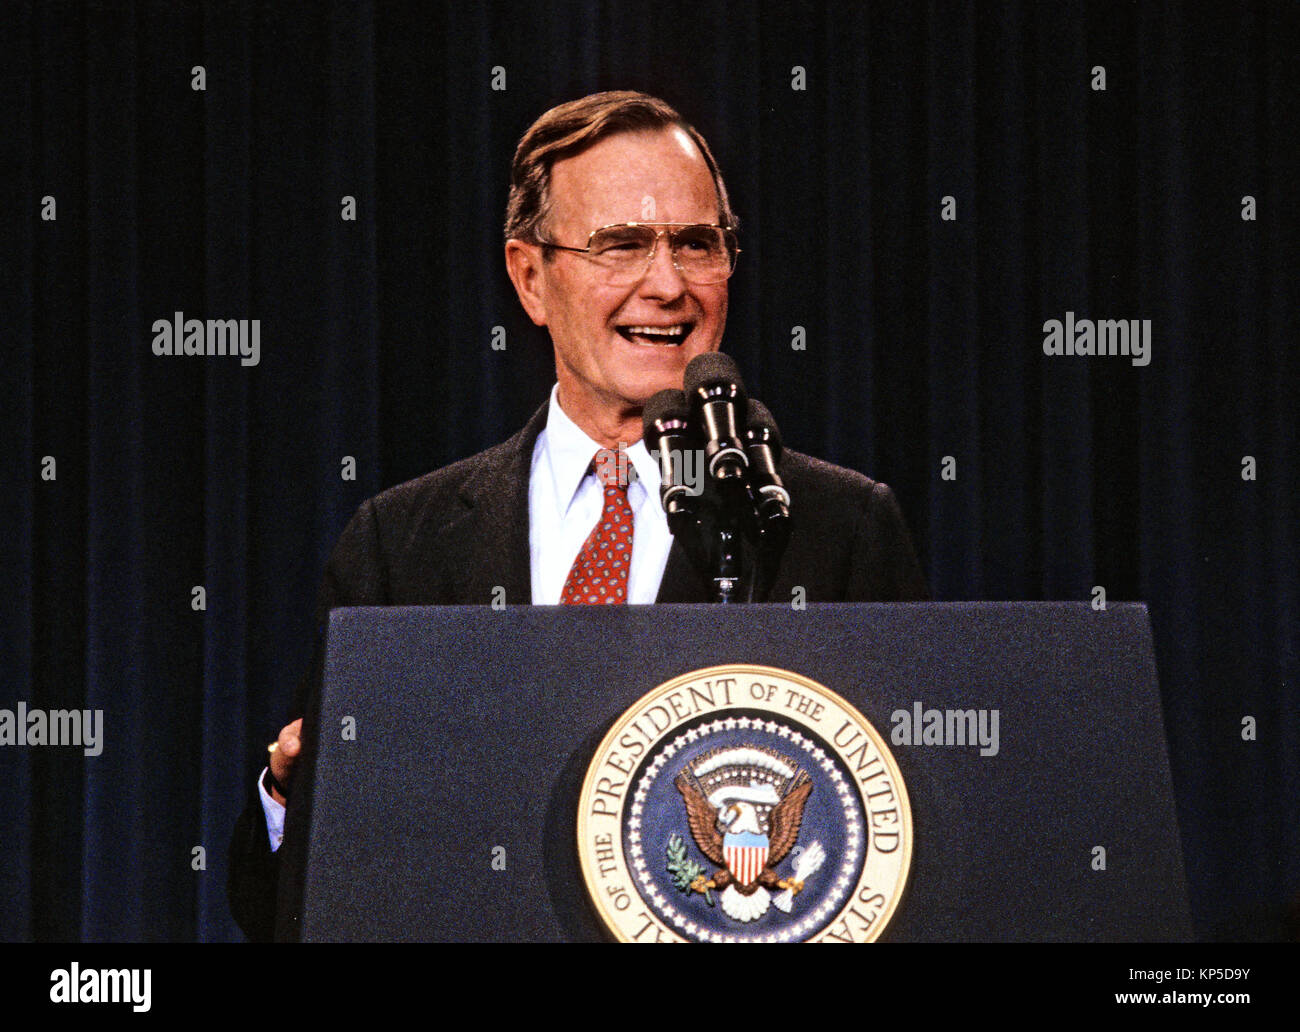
x: 662, y: 280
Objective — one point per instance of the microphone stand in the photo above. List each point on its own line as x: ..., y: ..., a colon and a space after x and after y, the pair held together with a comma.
x: 726, y: 579
x: 711, y: 533
x: 727, y: 541
x: 734, y: 540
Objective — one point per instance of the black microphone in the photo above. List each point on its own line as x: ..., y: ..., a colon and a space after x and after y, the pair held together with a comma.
x: 665, y: 422
x: 763, y: 446
x: 717, y: 398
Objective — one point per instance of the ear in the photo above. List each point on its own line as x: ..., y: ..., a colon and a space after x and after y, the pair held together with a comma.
x: 524, y: 264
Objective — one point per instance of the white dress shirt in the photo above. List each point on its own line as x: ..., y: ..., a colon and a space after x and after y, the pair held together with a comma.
x: 564, y: 499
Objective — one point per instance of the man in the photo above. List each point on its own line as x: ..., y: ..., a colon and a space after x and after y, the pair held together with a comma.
x: 620, y: 241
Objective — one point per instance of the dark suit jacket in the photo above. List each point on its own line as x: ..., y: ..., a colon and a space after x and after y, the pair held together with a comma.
x: 456, y: 535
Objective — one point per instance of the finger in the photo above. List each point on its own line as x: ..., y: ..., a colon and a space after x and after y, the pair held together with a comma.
x: 290, y: 737
x: 288, y: 745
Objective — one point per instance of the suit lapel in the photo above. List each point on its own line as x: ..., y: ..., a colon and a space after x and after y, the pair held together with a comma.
x: 682, y: 582
x: 489, y: 542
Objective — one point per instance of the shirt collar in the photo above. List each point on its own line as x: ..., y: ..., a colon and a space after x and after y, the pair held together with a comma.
x: 570, y: 452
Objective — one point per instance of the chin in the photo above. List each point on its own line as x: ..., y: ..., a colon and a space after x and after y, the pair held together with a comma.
x: 642, y: 389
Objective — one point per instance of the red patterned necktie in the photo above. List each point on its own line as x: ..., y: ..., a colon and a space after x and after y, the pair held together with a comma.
x: 599, y: 574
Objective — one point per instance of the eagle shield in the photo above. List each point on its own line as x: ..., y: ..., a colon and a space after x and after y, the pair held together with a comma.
x: 746, y: 856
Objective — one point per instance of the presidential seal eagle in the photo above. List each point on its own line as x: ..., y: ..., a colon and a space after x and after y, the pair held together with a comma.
x: 744, y: 806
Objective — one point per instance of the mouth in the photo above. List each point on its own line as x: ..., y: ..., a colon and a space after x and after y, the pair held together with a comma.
x: 671, y: 335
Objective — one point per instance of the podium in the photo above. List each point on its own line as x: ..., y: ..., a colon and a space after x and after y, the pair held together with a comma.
x: 446, y: 749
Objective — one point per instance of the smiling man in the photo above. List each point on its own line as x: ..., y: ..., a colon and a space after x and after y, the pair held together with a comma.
x: 622, y: 329
x: 620, y: 241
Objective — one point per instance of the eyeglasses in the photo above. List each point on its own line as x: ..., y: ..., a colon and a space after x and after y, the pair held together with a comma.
x: 702, y: 254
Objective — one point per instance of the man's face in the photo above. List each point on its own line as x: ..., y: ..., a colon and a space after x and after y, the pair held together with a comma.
x: 602, y: 361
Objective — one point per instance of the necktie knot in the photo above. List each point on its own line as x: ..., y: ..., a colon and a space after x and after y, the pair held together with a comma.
x: 612, y: 467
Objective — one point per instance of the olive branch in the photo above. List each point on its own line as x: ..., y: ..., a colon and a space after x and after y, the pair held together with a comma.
x: 682, y: 868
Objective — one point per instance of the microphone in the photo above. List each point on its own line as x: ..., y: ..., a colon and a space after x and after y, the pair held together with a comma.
x: 763, y: 447
x: 717, y: 396
x: 665, y: 422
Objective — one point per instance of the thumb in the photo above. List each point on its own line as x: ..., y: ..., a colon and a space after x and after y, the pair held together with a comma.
x: 288, y: 745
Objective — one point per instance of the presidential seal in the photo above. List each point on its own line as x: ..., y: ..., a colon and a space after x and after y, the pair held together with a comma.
x: 744, y: 804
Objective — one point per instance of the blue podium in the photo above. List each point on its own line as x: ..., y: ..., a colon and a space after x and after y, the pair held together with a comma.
x: 446, y: 749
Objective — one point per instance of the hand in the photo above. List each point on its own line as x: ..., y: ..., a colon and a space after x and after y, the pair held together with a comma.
x: 283, y: 756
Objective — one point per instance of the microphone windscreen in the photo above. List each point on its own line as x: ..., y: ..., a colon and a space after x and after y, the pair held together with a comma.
x: 761, y: 419
x: 666, y: 405
x: 713, y: 367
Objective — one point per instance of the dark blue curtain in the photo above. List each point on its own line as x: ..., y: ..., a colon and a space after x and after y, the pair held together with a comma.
x: 923, y: 339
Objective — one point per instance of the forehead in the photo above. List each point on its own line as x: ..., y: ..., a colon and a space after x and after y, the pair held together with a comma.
x: 652, y: 176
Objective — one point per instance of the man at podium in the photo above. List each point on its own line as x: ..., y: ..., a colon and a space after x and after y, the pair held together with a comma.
x: 620, y: 241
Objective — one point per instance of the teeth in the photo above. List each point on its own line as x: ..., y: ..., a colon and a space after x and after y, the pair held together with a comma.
x: 656, y: 331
